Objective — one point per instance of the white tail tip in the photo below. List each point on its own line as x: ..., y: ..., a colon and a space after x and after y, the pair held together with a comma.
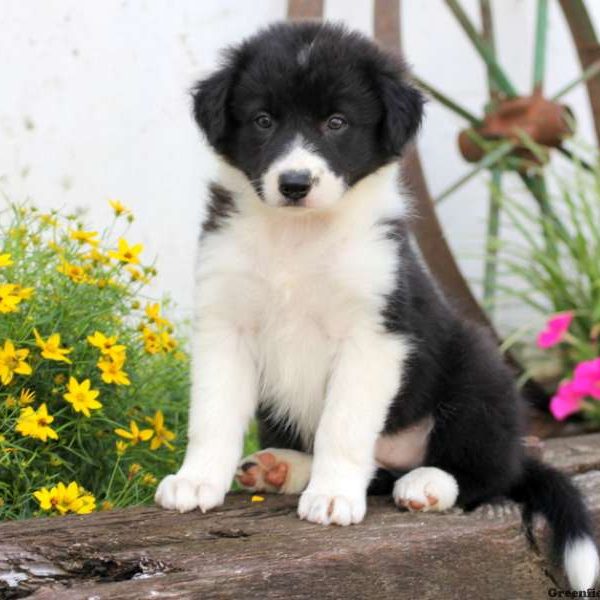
x: 582, y: 564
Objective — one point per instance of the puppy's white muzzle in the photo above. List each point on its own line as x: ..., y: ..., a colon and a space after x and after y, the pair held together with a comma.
x: 302, y: 178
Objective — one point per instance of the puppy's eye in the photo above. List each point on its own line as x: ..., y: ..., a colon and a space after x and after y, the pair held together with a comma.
x: 264, y: 121
x: 336, y: 122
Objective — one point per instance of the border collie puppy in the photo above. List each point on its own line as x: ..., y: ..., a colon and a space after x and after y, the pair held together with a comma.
x: 315, y: 312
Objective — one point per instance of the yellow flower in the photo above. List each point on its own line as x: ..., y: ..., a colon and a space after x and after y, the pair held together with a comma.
x: 51, y: 348
x: 36, y: 423
x: 48, y: 220
x: 64, y: 499
x: 81, y: 397
x: 13, y: 361
x: 6, y: 260
x: 22, y: 292
x: 97, y: 257
x: 84, y: 237
x: 149, y: 479
x: 26, y: 397
x: 10, y: 402
x: 17, y: 232
x: 152, y: 342
x: 257, y: 499
x: 9, y: 298
x: 161, y: 434
x: 153, y: 314
x: 121, y: 447
x: 168, y: 343
x: 118, y: 208
x: 75, y: 273
x: 126, y: 253
x: 107, y: 345
x: 55, y: 248
x: 107, y: 505
x: 135, y: 435
x: 137, y: 275
x: 134, y: 469
x: 112, y: 370
x: 60, y: 378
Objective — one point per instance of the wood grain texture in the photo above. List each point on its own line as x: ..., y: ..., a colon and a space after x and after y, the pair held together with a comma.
x: 261, y: 550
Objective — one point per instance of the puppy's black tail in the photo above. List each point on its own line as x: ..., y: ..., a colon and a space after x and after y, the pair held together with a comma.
x: 546, y: 491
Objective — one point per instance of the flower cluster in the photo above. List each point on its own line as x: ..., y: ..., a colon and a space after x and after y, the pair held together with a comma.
x: 77, y: 363
x: 64, y: 499
x: 156, y: 335
x: 574, y: 393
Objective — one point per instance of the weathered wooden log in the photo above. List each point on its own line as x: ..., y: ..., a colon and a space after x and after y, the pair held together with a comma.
x: 261, y: 550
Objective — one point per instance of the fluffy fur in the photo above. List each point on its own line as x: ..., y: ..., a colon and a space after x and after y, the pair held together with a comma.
x: 315, y: 311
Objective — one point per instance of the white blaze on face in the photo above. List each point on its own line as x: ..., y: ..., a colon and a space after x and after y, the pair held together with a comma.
x: 327, y: 188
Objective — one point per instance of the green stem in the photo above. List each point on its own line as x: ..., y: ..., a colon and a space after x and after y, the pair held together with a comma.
x: 489, y: 160
x: 539, y: 61
x: 491, y: 250
x: 487, y: 34
x: 592, y: 71
x: 112, y: 477
x: 448, y: 102
x: 496, y: 72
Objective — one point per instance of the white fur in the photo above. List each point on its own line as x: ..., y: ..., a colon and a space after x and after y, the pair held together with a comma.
x: 581, y: 563
x: 327, y: 188
x: 423, y: 485
x: 289, y: 305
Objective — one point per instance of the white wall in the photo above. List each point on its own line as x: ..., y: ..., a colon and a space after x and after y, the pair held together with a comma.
x: 93, y: 105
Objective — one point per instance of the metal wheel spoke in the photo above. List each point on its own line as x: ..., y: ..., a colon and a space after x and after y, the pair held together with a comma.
x: 588, y: 49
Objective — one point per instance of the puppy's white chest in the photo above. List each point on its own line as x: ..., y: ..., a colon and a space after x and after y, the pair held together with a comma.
x: 297, y: 294
x: 298, y: 332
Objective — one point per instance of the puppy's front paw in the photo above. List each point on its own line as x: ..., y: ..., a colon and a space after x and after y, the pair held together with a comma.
x: 426, y: 489
x: 175, y: 492
x: 332, y: 509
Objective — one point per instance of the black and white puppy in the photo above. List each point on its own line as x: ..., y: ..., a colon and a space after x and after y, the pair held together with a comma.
x: 315, y: 311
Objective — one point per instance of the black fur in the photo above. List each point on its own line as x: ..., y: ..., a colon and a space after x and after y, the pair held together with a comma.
x: 341, y: 73
x: 300, y: 75
x: 219, y: 209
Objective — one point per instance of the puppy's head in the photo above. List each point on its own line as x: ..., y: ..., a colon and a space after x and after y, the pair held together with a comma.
x: 305, y: 111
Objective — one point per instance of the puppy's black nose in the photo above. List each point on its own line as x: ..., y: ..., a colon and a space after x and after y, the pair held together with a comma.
x: 294, y: 185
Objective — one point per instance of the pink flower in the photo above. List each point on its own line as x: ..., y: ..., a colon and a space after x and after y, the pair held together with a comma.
x: 555, y: 330
x: 566, y: 401
x: 586, y: 378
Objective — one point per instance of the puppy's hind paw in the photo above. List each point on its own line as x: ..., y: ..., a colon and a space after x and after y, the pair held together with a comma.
x: 426, y: 489
x: 179, y: 493
x: 274, y: 470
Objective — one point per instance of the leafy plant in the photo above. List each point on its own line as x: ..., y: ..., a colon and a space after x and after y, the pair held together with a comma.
x: 554, y: 267
x: 93, y: 381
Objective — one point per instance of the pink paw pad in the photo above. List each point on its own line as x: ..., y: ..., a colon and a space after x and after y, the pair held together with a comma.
x: 262, y: 472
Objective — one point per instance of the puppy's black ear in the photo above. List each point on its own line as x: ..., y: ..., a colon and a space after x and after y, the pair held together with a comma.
x: 403, y: 106
x: 211, y: 97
